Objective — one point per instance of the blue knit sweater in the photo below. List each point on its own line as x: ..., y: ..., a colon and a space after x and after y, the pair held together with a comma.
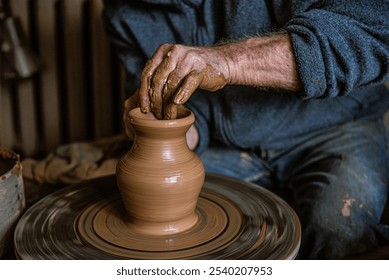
x: 341, y: 48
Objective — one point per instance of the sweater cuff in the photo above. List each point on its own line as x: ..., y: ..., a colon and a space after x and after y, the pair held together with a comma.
x: 310, y: 66
x: 309, y: 60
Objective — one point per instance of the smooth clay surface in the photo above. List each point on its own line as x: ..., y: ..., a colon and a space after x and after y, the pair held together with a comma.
x: 160, y: 178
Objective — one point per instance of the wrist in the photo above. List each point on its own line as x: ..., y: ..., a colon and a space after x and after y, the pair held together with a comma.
x: 262, y: 62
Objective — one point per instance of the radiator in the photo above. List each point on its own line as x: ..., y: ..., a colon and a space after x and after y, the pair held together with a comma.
x: 79, y: 92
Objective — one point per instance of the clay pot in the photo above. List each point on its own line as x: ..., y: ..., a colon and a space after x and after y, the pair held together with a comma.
x: 160, y: 178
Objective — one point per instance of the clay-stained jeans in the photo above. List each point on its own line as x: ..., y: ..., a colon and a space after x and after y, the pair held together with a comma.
x: 337, y: 182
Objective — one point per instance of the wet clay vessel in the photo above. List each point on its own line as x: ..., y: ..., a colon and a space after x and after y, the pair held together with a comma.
x: 160, y: 178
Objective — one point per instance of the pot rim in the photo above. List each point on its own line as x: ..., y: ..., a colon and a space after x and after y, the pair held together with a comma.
x: 186, y: 117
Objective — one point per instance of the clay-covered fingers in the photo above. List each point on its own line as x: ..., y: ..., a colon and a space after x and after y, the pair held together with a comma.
x: 170, y: 110
x: 170, y: 88
x: 162, y: 85
x: 147, y: 89
x: 191, y: 82
x: 177, y: 92
x: 206, y: 79
x: 175, y: 72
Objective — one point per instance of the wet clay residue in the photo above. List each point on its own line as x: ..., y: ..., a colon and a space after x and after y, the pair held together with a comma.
x: 346, y: 211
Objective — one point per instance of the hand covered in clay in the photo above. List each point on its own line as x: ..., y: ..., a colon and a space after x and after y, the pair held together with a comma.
x: 174, y: 72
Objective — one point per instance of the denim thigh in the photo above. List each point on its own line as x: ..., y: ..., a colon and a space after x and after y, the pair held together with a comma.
x: 339, y: 184
x: 337, y: 181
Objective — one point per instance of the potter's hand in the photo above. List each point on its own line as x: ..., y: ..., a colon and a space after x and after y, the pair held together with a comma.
x: 174, y: 72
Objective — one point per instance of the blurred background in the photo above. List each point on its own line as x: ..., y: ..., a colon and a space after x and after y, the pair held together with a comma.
x: 60, y: 79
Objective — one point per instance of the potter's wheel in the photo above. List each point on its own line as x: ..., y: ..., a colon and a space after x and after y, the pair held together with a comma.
x: 237, y: 220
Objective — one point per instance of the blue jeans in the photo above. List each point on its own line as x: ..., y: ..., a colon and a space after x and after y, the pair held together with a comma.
x: 337, y: 181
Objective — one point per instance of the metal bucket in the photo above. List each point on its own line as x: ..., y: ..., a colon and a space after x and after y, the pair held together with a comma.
x: 12, y: 198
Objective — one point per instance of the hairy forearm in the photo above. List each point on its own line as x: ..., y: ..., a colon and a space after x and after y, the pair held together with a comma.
x: 262, y: 62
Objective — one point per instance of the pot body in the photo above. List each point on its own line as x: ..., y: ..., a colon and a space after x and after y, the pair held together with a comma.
x: 160, y: 178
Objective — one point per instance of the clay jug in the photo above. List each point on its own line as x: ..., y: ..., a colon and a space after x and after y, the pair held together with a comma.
x: 160, y: 178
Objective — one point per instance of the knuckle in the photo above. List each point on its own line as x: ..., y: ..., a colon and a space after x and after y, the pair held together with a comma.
x: 158, y: 82
x: 175, y: 48
x: 164, y: 47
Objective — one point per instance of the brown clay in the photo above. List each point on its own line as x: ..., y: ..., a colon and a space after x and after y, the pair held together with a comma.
x: 160, y: 178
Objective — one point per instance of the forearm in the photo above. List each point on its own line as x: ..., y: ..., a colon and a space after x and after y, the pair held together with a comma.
x: 262, y: 62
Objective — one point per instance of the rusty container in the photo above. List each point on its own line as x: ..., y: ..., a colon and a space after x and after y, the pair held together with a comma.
x: 12, y: 198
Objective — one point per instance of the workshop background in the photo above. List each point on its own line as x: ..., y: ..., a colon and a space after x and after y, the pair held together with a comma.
x: 76, y: 94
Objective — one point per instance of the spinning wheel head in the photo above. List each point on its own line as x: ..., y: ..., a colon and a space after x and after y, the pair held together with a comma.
x: 236, y: 220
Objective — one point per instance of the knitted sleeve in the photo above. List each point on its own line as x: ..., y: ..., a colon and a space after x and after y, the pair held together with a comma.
x: 340, y: 45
